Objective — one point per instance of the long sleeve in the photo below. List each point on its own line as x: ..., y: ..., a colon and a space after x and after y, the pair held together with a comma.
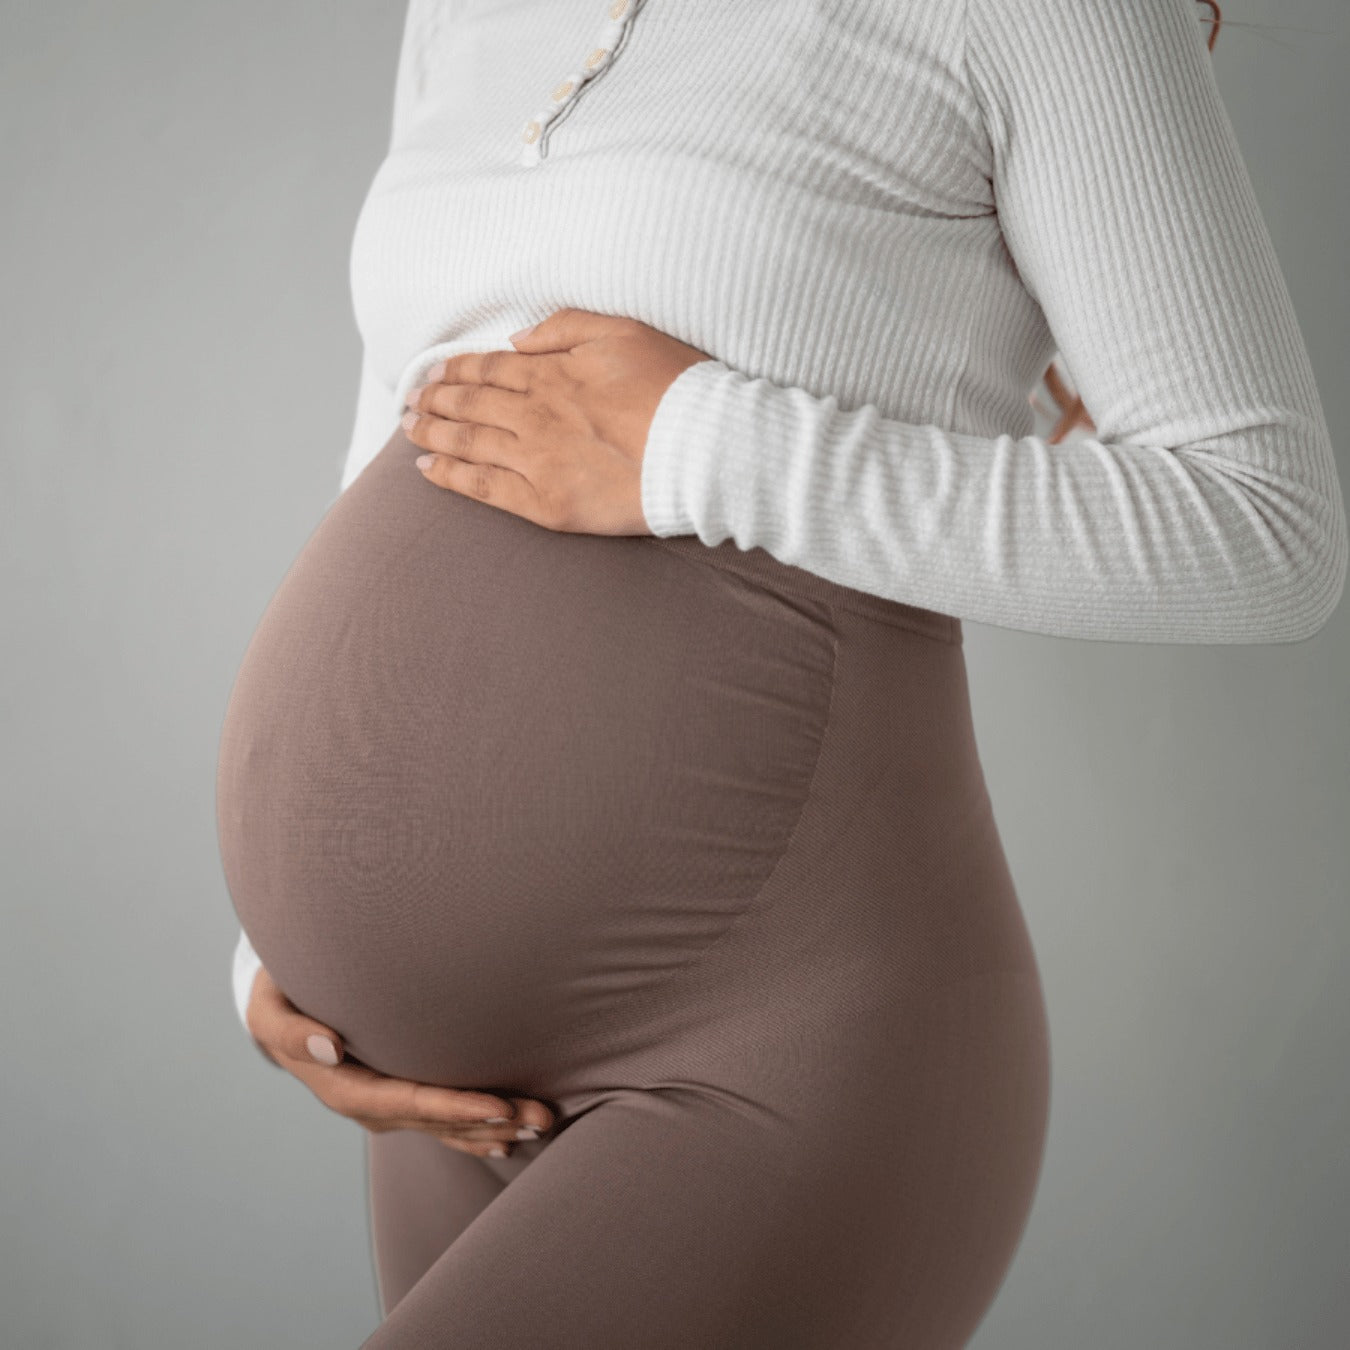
x: 1206, y: 506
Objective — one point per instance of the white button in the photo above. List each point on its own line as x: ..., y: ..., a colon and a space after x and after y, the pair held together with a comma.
x: 620, y: 12
x: 610, y: 33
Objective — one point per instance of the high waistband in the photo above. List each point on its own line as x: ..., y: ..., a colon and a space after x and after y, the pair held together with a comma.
x: 761, y: 567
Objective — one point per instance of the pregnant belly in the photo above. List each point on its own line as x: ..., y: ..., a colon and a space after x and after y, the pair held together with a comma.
x: 480, y: 782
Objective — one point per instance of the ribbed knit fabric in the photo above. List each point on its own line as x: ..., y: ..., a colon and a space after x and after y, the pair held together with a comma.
x: 881, y: 219
x: 243, y: 969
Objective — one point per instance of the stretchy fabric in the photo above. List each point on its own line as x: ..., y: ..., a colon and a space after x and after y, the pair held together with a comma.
x: 690, y: 844
x: 881, y: 219
x: 687, y: 831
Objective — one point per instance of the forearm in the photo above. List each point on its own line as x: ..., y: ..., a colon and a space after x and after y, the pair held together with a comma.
x: 1205, y: 508
x: 1241, y: 538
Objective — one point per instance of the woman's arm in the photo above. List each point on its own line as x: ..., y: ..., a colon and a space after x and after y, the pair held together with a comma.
x: 1206, y: 508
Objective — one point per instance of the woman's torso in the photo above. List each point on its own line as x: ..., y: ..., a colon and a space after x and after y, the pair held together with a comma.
x: 481, y: 775
x: 800, y: 188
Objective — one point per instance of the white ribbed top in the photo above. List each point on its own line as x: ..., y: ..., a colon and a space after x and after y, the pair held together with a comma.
x: 881, y: 219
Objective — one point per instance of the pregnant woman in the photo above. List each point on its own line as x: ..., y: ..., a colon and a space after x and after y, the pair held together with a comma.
x: 605, y: 758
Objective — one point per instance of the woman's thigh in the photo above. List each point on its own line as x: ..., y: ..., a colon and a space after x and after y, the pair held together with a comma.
x: 804, y: 1197
x: 689, y: 846
x: 422, y: 1196
x: 824, y: 1130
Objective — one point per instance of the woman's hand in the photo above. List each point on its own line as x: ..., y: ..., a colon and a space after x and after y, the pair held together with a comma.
x: 376, y: 1102
x: 553, y: 431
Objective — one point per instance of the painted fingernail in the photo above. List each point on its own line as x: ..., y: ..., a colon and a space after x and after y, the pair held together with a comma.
x: 435, y: 373
x: 425, y: 461
x: 494, y: 1120
x: 413, y: 395
x: 497, y: 1153
x: 322, y: 1049
x: 408, y: 420
x: 527, y: 1132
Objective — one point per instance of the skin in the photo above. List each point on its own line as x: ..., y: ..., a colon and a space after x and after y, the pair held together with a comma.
x: 553, y: 431
x: 375, y: 1101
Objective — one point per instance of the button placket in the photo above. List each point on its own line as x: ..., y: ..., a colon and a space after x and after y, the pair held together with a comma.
x: 601, y: 56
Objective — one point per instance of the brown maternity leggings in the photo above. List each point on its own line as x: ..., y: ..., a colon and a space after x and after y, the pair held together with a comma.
x: 690, y: 844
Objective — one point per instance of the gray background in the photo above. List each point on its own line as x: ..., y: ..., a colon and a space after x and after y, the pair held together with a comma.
x: 179, y: 368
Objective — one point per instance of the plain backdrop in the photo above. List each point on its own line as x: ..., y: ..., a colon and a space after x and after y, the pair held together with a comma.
x: 179, y: 365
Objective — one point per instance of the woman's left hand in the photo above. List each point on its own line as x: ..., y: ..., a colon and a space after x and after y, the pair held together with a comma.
x: 553, y: 431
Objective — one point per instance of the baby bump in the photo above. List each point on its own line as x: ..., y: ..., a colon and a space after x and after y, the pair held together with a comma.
x: 481, y: 782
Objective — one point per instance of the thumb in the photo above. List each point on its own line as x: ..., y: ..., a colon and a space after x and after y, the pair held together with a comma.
x: 565, y: 329
x: 324, y: 1046
x: 299, y: 1036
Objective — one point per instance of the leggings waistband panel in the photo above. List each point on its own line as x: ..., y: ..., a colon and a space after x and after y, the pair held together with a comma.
x: 761, y: 567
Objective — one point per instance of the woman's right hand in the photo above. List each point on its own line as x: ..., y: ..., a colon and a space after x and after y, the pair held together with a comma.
x: 375, y: 1101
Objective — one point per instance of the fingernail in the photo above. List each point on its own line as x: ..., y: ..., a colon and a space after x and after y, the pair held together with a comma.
x: 494, y: 1120
x: 527, y: 1132
x: 408, y: 421
x: 435, y: 373
x: 322, y: 1049
x: 497, y: 1153
x: 524, y: 332
x: 413, y: 395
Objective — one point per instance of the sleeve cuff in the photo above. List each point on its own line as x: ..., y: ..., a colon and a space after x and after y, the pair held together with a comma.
x: 731, y: 456
x: 681, y: 469
x: 246, y: 965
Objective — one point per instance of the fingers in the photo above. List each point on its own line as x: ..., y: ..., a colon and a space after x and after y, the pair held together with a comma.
x: 499, y: 367
x: 497, y: 484
x: 284, y: 1031
x: 483, y: 404
x: 479, y: 1140
x: 355, y: 1090
x: 531, y: 1120
x: 476, y: 1122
